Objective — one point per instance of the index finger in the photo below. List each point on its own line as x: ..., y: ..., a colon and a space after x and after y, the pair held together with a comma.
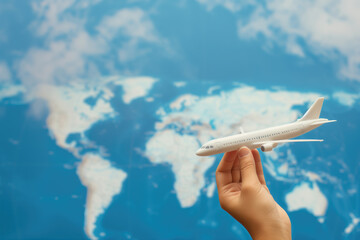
x: 259, y: 169
x: 223, y: 171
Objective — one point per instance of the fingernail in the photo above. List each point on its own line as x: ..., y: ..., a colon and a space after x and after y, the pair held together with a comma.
x: 243, y: 152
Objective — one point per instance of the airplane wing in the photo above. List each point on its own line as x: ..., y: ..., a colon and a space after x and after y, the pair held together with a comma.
x: 269, y: 145
x: 289, y: 140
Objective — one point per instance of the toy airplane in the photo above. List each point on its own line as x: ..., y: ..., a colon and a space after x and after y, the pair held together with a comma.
x: 269, y: 138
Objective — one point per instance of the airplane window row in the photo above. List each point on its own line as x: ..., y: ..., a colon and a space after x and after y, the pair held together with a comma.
x: 260, y: 137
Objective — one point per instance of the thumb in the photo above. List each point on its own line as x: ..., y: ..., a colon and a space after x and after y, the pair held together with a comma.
x: 247, y: 166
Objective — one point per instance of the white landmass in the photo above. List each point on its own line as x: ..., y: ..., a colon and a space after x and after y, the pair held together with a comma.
x: 135, y: 87
x: 281, y: 164
x: 183, y: 126
x: 189, y: 169
x: 103, y: 182
x: 7, y: 91
x: 210, y: 190
x: 305, y: 196
x: 183, y: 101
x: 70, y: 114
x: 354, y: 221
x: 192, y: 120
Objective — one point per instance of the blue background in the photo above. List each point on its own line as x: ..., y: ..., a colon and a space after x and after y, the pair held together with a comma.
x: 42, y: 199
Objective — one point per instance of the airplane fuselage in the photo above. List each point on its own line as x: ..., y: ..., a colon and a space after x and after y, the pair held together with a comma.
x: 259, y: 138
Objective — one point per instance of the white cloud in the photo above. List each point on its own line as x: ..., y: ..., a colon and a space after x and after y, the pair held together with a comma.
x: 180, y: 84
x: 56, y: 17
x: 5, y: 74
x: 68, y: 46
x: 130, y: 51
x: 231, y: 5
x: 71, y: 53
x: 328, y: 28
x: 133, y: 23
x: 53, y: 19
x: 136, y: 26
x: 344, y: 98
x: 61, y: 62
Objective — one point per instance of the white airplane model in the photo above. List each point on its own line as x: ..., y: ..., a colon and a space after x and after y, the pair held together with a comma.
x: 269, y: 138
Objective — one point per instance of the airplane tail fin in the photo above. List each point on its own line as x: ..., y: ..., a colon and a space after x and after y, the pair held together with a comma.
x: 314, y: 111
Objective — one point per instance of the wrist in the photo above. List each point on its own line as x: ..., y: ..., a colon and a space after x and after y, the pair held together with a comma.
x: 271, y: 232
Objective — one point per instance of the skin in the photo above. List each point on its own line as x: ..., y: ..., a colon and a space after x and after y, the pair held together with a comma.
x: 244, y: 195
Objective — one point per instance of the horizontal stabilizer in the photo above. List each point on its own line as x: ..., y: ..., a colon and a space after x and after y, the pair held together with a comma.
x: 322, y: 122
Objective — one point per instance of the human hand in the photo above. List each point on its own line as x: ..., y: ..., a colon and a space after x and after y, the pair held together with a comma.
x: 244, y: 195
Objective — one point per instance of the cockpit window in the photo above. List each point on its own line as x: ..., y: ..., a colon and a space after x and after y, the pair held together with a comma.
x: 207, y: 147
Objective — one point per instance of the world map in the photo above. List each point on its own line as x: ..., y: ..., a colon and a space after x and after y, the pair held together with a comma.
x: 103, y: 106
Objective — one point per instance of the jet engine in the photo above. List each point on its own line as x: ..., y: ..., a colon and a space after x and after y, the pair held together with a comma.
x: 268, y: 147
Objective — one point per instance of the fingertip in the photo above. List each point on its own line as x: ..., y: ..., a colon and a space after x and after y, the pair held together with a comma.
x: 226, y: 162
x: 256, y: 154
x: 223, y: 171
x: 259, y: 169
x: 247, y: 165
x: 243, y: 152
x: 254, y: 151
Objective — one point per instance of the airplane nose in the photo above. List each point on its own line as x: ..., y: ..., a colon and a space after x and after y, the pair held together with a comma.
x: 198, y: 152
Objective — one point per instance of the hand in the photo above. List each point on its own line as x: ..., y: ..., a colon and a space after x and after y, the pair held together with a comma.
x: 244, y: 195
